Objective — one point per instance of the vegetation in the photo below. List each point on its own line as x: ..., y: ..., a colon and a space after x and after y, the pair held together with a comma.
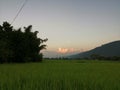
x: 20, y: 46
x: 61, y: 75
x: 100, y: 57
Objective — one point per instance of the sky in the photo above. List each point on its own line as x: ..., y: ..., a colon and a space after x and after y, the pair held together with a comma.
x: 71, y: 26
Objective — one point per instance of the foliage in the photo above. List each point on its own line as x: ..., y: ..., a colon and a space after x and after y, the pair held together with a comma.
x: 61, y: 75
x: 100, y: 57
x: 18, y: 45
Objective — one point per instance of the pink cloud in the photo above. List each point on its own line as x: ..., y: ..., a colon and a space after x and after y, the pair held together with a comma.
x: 66, y: 50
x: 62, y: 50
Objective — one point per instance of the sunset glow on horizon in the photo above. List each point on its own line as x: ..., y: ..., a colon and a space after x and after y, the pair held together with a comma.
x: 62, y: 50
x: 66, y: 50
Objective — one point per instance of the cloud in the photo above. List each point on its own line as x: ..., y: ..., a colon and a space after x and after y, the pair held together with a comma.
x: 62, y: 50
x: 66, y: 50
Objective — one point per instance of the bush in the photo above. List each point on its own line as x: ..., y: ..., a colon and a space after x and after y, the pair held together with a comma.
x: 20, y: 46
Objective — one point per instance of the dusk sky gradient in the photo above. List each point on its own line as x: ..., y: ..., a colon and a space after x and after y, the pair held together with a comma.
x: 71, y: 26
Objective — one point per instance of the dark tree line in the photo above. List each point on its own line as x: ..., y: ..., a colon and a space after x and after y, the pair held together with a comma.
x: 20, y: 46
x: 101, y: 57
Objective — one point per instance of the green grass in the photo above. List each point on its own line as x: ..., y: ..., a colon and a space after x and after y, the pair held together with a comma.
x: 61, y: 75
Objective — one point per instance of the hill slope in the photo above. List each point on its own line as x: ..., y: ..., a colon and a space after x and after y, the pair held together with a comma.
x: 108, y: 50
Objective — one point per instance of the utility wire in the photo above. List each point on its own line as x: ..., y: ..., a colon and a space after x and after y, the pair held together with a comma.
x: 19, y: 11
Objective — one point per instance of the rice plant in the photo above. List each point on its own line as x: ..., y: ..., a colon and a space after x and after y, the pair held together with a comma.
x: 61, y: 75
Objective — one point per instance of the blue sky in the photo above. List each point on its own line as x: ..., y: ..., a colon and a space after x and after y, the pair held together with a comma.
x: 71, y: 26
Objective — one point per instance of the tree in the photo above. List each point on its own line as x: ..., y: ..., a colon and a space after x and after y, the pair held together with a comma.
x: 20, y: 46
x: 97, y: 57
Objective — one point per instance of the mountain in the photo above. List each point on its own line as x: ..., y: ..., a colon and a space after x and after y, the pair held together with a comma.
x: 108, y: 50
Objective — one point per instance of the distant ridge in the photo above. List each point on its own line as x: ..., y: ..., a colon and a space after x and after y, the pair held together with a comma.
x: 108, y: 50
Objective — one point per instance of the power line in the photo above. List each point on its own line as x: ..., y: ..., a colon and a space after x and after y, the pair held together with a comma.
x: 19, y: 11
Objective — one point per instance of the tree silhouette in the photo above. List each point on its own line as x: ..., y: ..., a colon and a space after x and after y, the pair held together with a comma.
x: 20, y: 46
